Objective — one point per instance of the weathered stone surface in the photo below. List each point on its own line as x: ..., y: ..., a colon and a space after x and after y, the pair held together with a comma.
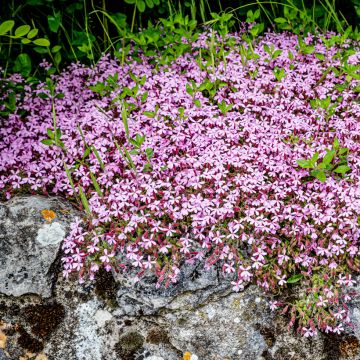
x: 29, y: 245
x: 195, y: 288
x: 115, y: 319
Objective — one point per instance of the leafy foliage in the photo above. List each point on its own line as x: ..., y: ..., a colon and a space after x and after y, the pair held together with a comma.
x: 191, y: 155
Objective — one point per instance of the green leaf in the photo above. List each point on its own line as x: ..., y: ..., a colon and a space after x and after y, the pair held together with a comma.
x: 96, y: 184
x: 189, y: 89
x: 25, y: 41
x: 59, y: 96
x: 276, y: 54
x: 50, y: 133
x: 40, y: 50
x: 315, y: 158
x: 57, y: 58
x: 149, y: 153
x: 23, y: 64
x: 43, y: 95
x: 197, y: 103
x: 42, y: 42
x: 32, y: 33
x: 294, y: 279
x: 256, y: 14
x: 147, y: 168
x: 140, y: 5
x: 342, y: 169
x: 55, y: 49
x: 319, y: 174
x: 54, y: 22
x: 144, y: 96
x: 309, y: 49
x: 58, y: 134
x: 68, y: 174
x: 336, y: 143
x: 84, y: 200
x: 149, y: 4
x: 305, y: 164
x: 125, y: 121
x: 343, y: 151
x: 130, y: 1
x: 86, y: 152
x: 249, y: 16
x: 320, y: 56
x: 97, y: 155
x: 139, y: 139
x: 6, y: 26
x: 280, y: 20
x: 128, y: 158
x: 150, y: 114
x: 134, y: 152
x: 328, y: 158
x: 22, y: 31
x: 47, y: 142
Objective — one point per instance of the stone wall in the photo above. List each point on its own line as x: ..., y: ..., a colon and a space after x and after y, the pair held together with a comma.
x: 44, y: 316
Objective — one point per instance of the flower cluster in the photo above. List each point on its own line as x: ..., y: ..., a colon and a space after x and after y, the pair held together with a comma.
x: 224, y: 186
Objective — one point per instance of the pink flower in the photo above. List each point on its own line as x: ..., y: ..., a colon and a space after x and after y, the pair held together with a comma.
x: 273, y: 305
x: 321, y: 302
x: 229, y: 267
x: 340, y: 314
x: 338, y: 329
x: 138, y: 261
x: 237, y: 286
x: 308, y: 332
x: 106, y: 257
x: 282, y: 280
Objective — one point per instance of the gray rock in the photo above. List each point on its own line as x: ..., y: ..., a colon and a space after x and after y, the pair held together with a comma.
x: 29, y: 244
x: 3, y: 356
x: 194, y: 288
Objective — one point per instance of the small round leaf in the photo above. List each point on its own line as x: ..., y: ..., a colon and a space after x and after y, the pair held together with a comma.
x: 6, y: 26
x: 42, y: 42
x: 22, y: 31
x: 25, y: 41
x: 32, y: 33
x: 55, y: 49
x: 141, y: 5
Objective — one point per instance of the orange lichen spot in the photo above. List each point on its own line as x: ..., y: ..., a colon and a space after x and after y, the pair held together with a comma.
x: 2, y: 340
x: 48, y: 215
x: 187, y: 355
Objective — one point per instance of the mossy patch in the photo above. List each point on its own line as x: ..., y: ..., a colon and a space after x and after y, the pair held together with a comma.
x: 129, y: 344
x: 43, y: 319
x: 105, y: 287
x: 157, y: 336
x: 336, y: 346
x: 268, y: 335
x: 28, y: 342
x: 350, y: 346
